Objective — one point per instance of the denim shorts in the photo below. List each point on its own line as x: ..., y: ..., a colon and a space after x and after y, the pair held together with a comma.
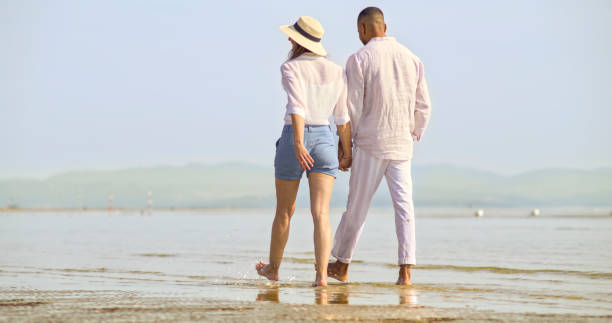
x: 320, y: 143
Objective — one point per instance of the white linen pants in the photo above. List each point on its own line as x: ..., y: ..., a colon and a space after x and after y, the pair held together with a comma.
x: 366, y: 173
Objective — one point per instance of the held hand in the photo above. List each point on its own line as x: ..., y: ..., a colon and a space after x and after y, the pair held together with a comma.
x: 345, y: 163
x: 303, y: 157
x: 344, y: 159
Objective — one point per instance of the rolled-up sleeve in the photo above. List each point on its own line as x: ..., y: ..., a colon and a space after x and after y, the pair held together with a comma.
x: 341, y: 115
x: 355, y: 88
x: 295, y: 102
x: 422, y: 108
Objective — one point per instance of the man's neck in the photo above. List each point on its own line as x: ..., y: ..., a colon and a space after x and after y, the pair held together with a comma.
x: 377, y: 36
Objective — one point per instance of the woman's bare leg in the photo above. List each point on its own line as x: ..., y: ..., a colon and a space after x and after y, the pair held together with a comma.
x: 321, y: 186
x: 286, y: 192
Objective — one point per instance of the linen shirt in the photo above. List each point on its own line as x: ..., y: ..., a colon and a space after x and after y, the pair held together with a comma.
x: 388, y: 100
x: 316, y: 89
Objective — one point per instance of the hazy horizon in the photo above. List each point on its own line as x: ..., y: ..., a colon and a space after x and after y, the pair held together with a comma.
x: 243, y: 185
x: 113, y: 168
x: 516, y: 85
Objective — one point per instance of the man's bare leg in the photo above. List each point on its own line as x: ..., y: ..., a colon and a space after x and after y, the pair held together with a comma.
x: 286, y: 193
x: 338, y: 270
x: 404, y: 275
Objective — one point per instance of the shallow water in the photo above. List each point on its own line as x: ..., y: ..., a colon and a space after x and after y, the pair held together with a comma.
x: 559, y: 262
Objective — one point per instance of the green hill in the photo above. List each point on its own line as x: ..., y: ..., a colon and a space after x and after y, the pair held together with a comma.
x: 242, y: 185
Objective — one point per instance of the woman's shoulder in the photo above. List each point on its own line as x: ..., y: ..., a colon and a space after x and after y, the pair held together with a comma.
x: 288, y: 67
x: 332, y: 65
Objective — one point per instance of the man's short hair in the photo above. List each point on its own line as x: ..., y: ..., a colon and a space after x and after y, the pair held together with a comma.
x: 369, y: 12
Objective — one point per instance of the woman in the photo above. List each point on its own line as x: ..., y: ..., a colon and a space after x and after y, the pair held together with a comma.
x: 316, y: 90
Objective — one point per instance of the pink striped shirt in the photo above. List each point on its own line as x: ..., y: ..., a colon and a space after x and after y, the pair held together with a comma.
x: 388, y: 101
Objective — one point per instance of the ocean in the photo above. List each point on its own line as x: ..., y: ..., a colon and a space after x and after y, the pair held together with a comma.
x: 505, y: 261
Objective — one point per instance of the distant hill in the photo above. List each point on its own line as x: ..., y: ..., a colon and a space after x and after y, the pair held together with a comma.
x: 241, y: 185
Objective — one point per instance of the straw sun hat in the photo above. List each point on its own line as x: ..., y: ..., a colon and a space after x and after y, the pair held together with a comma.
x: 307, y: 32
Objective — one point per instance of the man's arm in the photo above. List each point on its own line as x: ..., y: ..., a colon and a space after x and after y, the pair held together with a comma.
x: 355, y: 88
x: 422, y: 108
x: 341, y: 118
x: 345, y: 152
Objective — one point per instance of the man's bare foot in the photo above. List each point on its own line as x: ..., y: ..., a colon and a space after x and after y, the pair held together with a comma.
x: 404, y: 276
x: 267, y: 271
x: 338, y: 270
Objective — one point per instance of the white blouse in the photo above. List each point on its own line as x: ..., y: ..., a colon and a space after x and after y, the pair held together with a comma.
x: 316, y: 90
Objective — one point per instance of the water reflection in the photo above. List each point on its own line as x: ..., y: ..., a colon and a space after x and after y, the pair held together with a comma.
x: 336, y: 294
x: 324, y: 296
x: 268, y: 294
x: 408, y: 296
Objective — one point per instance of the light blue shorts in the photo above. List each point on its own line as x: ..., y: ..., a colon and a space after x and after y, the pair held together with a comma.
x: 320, y: 143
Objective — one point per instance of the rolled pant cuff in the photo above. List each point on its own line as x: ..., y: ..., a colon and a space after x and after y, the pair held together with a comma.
x: 342, y: 260
x: 406, y: 262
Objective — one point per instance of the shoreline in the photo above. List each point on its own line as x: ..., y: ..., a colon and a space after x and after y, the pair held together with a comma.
x: 570, y: 211
x: 24, y: 305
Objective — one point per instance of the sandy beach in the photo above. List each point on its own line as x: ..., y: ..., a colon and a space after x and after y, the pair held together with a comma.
x: 121, y: 306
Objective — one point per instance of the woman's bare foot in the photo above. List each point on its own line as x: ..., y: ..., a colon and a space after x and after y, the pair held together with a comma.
x: 320, y: 280
x: 338, y: 270
x: 267, y: 271
x: 404, y: 276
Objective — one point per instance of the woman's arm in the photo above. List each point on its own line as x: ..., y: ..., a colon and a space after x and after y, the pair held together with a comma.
x: 345, y: 152
x: 301, y: 154
x: 295, y: 108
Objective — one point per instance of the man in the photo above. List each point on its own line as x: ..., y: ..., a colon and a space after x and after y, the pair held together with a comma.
x: 389, y: 108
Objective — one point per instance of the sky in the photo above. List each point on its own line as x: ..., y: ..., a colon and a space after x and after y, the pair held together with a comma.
x: 515, y: 85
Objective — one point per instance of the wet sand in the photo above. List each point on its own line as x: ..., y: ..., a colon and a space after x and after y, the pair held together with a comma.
x: 178, y: 266
x: 19, y: 305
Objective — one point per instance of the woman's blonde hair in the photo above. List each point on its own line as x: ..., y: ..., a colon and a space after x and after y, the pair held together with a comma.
x: 297, y: 50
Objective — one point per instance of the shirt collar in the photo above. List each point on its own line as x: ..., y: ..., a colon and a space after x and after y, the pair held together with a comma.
x: 382, y: 38
x: 309, y: 56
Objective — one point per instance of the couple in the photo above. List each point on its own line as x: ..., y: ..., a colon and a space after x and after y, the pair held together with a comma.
x: 380, y: 105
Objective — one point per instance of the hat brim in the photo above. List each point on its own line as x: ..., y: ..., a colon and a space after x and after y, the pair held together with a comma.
x: 315, y: 47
